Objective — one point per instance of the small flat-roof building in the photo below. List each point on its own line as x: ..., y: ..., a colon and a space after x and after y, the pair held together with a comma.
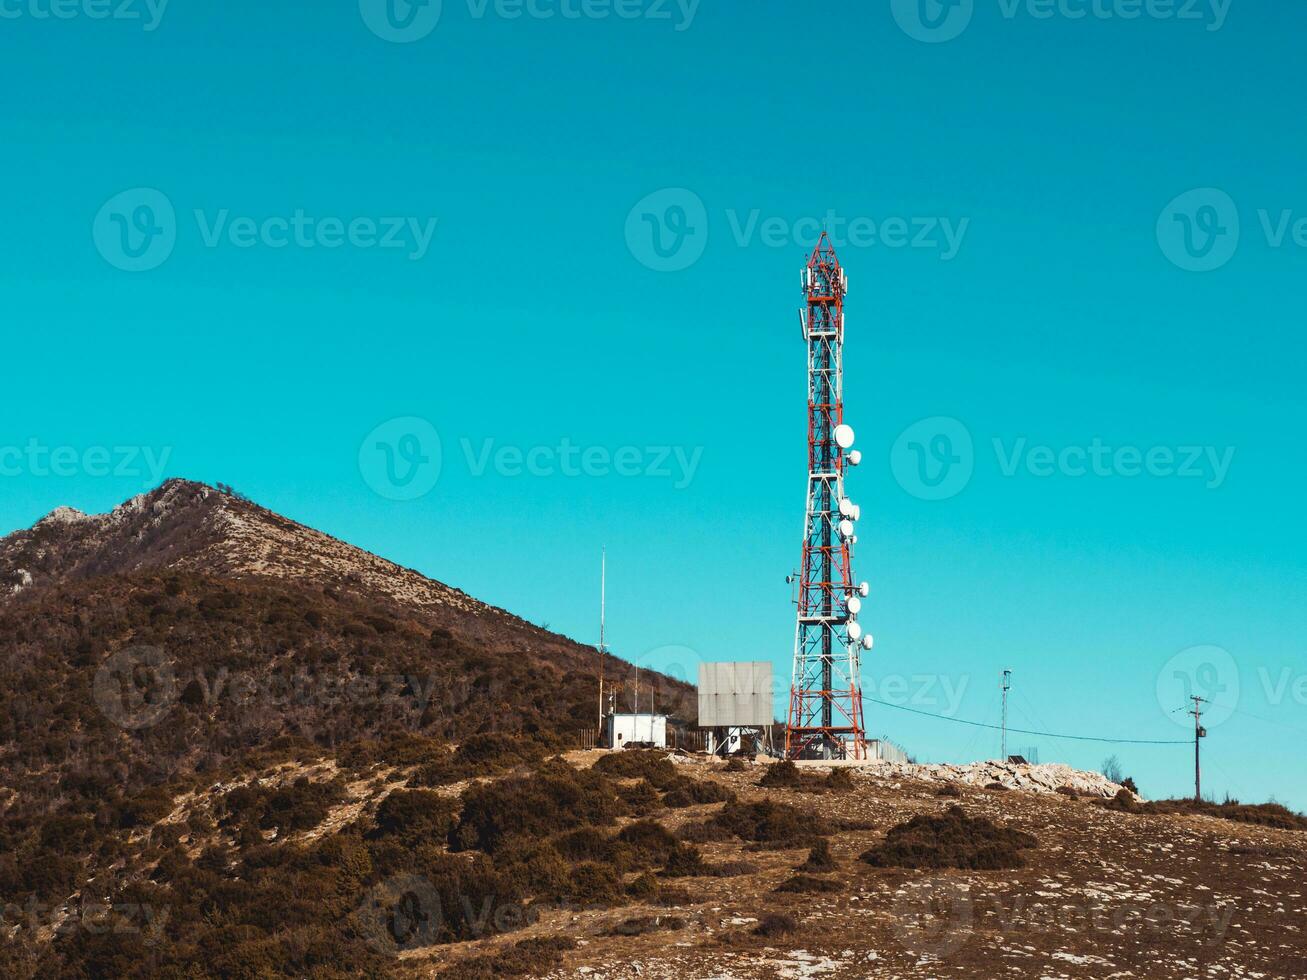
x: 623, y: 728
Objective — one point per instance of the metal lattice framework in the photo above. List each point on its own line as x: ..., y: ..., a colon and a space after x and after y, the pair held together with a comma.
x: 825, y: 717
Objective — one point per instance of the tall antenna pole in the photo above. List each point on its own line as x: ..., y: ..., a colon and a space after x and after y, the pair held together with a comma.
x: 1199, y: 732
x: 825, y: 715
x: 603, y: 577
x: 1007, y: 686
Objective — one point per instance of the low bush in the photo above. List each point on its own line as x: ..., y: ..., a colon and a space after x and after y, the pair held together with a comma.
x: 840, y: 780
x: 415, y: 816
x: 808, y: 885
x: 693, y: 792
x: 550, y: 801
x: 782, y: 775
x: 643, y: 924
x: 685, y: 861
x: 639, y: 764
x: 529, y: 958
x: 950, y: 840
x: 775, y: 925
x: 819, y: 858
x: 767, y: 822
x: 1260, y: 814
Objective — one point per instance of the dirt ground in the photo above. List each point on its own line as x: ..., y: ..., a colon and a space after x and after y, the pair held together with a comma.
x: 1105, y: 895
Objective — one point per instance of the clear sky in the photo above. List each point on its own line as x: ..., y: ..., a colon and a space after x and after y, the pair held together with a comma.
x: 565, y: 238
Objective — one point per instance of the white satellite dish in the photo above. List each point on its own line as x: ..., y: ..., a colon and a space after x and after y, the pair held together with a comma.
x: 846, y: 507
x: 868, y: 642
x: 846, y: 528
x: 844, y: 436
x: 864, y: 590
x: 854, y: 604
x: 857, y: 512
x: 855, y: 630
x: 853, y: 540
x: 855, y: 457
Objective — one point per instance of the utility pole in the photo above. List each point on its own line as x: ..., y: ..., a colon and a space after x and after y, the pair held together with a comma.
x: 1199, y: 732
x: 603, y: 575
x: 1007, y: 686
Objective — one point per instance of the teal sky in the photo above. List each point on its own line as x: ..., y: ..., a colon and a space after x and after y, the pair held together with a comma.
x: 243, y: 238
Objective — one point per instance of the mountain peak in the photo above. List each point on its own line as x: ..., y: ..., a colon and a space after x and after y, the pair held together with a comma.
x: 191, y: 526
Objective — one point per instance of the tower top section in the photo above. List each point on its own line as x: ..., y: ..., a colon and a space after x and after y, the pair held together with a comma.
x: 824, y: 279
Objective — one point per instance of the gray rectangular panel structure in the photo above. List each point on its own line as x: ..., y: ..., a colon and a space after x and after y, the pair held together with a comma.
x: 736, y: 694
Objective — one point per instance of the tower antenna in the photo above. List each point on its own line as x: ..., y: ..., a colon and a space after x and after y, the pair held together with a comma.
x: 1007, y: 686
x: 603, y: 578
x: 825, y: 716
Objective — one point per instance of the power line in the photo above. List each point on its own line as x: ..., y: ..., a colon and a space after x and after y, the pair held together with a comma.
x: 1022, y: 731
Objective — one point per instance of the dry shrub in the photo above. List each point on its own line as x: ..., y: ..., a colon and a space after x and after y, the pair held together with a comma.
x: 643, y: 888
x: 735, y: 764
x: 642, y: 924
x: 640, y: 799
x: 415, y: 816
x: 1124, y: 800
x: 693, y: 792
x: 840, y: 780
x: 481, y: 755
x: 950, y: 840
x: 949, y: 790
x: 782, y: 775
x: 673, y: 896
x: 530, y: 957
x: 648, y: 843
x: 594, y: 885
x: 1260, y: 814
x: 1069, y: 791
x: 996, y: 786
x: 639, y: 764
x: 704, y: 832
x: 584, y: 844
x: 685, y: 861
x: 808, y: 885
x: 819, y: 858
x: 547, y: 802
x: 733, y: 869
x: 767, y: 822
x: 774, y: 925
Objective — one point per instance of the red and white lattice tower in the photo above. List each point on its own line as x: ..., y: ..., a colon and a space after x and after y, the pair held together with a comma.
x: 825, y: 719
